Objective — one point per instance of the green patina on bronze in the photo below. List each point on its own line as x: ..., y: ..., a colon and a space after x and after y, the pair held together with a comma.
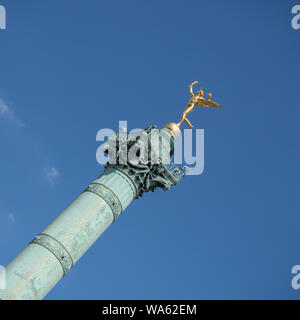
x: 33, y: 273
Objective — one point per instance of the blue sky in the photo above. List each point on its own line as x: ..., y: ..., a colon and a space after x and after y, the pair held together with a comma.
x: 70, y: 68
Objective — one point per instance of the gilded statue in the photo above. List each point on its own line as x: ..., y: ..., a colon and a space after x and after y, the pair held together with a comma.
x: 196, y: 100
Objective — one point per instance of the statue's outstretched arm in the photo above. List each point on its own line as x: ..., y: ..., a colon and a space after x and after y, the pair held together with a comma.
x: 191, y: 88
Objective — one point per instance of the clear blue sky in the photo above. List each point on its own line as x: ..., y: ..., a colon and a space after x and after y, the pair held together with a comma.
x: 69, y: 68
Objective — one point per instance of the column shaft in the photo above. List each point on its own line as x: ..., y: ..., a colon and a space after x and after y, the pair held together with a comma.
x: 33, y: 273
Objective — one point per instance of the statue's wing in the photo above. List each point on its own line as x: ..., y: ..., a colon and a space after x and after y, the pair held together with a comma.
x: 208, y: 103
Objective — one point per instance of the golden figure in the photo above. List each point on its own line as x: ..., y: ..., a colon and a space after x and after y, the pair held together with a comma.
x: 196, y: 100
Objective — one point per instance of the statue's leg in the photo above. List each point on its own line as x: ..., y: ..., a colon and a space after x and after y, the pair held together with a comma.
x: 188, y: 110
x: 189, y: 124
x: 181, y: 120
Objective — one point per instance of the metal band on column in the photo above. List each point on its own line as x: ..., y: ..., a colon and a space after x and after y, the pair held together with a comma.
x: 57, y: 249
x: 107, y: 195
